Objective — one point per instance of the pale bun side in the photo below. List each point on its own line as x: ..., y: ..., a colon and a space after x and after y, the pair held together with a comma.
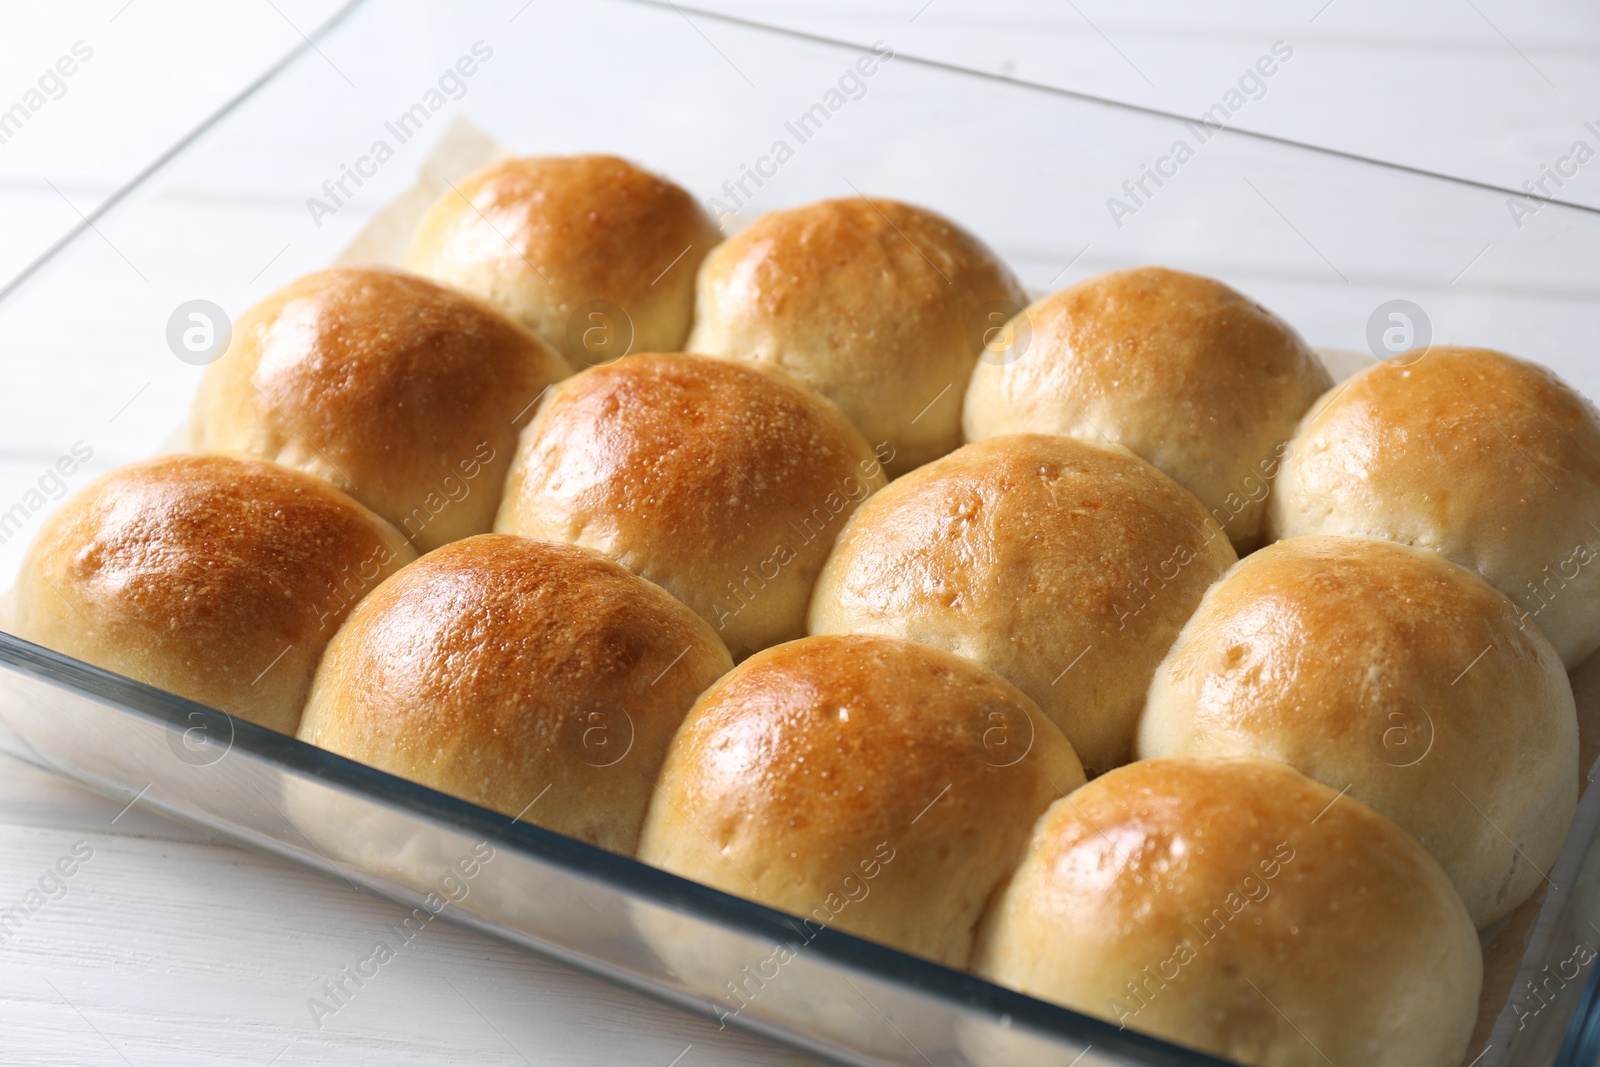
x: 406, y: 395
x: 591, y: 252
x: 1393, y: 673
x: 217, y: 578
x: 860, y: 782
x: 723, y: 483
x: 1185, y: 372
x: 1241, y: 909
x: 880, y: 306
x: 1492, y: 461
x: 1066, y: 566
x: 539, y: 680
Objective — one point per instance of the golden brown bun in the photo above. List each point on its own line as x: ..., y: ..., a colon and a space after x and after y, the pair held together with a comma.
x: 1392, y: 672
x: 724, y: 484
x: 1490, y: 460
x: 405, y: 395
x: 1066, y: 566
x: 555, y: 241
x: 860, y: 782
x: 1183, y: 371
x: 877, y: 305
x: 1241, y: 909
x: 537, y: 679
x: 218, y: 578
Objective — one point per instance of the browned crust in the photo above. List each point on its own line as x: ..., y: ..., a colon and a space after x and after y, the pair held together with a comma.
x: 1240, y: 908
x: 1391, y: 672
x: 1066, y: 566
x: 218, y: 578
x: 723, y: 483
x: 821, y: 754
x: 869, y: 301
x: 404, y: 394
x: 542, y: 237
x: 506, y: 670
x: 1489, y: 459
x: 1185, y: 372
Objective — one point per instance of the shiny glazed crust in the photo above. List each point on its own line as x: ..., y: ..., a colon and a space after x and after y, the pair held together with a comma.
x: 1066, y: 566
x: 723, y: 483
x: 1490, y: 460
x: 406, y: 395
x: 1183, y: 371
x: 878, y: 305
x: 1239, y: 908
x: 218, y: 578
x: 1392, y: 672
x: 861, y: 782
x: 537, y: 679
x: 551, y: 239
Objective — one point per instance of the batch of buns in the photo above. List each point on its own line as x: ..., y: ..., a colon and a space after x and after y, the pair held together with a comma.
x: 1134, y: 663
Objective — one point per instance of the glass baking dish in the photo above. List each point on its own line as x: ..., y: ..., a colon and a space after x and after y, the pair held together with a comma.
x: 285, y: 179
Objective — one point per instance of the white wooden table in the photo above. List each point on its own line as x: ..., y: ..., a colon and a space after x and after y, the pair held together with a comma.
x: 169, y: 948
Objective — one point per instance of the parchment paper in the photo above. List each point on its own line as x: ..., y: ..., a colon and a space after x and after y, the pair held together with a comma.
x: 463, y: 148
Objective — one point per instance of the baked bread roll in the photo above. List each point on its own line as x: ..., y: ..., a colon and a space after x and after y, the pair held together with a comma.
x: 1490, y: 460
x: 880, y: 306
x: 592, y: 253
x: 1183, y: 371
x: 1393, y: 673
x: 536, y: 679
x: 406, y: 395
x: 1067, y: 567
x: 217, y: 578
x: 860, y: 782
x: 724, y: 484
x: 1241, y: 909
